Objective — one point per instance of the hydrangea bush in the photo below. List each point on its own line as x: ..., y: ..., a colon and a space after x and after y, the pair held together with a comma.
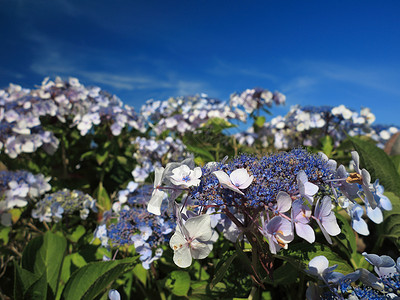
x: 100, y: 202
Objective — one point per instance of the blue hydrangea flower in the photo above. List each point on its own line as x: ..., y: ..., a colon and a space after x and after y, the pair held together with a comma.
x: 65, y: 202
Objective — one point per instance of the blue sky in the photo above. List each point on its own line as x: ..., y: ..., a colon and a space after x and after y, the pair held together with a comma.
x: 315, y: 52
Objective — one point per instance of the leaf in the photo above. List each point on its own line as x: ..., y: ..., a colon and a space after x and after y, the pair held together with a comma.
x: 122, y: 160
x: 259, y: 121
x: 15, y: 214
x: 220, y: 273
x: 299, y: 255
x: 140, y: 273
x: 327, y: 145
x: 90, y: 280
x: 285, y: 274
x: 39, y: 289
x: 346, y: 238
x: 4, y: 232
x: 45, y: 254
x: 245, y: 261
x: 102, y: 197
x: 396, y: 162
x: 378, y: 164
x: 101, y: 157
x: 200, y: 151
x: 77, y: 234
x: 178, y: 282
x: 87, y: 154
x: 391, y: 223
x: 23, y: 279
x: 218, y: 124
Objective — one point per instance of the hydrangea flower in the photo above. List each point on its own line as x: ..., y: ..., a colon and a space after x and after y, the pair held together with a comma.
x: 238, y: 180
x: 154, y: 205
x: 114, y: 295
x: 326, y: 219
x: 364, y: 179
x: 65, y: 202
x: 360, y: 284
x: 17, y: 189
x: 279, y: 233
x: 136, y: 226
x: 183, y: 176
x: 306, y: 188
x: 301, y: 215
x: 191, y: 240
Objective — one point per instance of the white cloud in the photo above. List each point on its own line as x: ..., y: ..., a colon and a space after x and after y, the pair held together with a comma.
x: 381, y: 78
x: 55, y: 58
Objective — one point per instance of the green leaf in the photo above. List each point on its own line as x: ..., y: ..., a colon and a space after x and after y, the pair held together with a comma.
x: 91, y: 280
x: 327, y: 145
x: 396, y: 162
x: 299, y: 255
x: 285, y: 274
x: 378, y: 164
x: 102, y: 197
x: 391, y: 223
x: 259, y: 121
x: 45, y: 254
x: 218, y: 124
x: 122, y: 160
x: 101, y: 157
x: 200, y: 151
x: 140, y: 273
x: 220, y: 273
x: 245, y: 261
x: 23, y: 280
x: 178, y: 282
x: 77, y: 234
x: 39, y: 289
x: 346, y: 238
x: 4, y: 231
x: 87, y: 154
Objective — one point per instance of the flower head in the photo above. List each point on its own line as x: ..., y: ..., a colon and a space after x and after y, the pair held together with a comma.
x: 279, y: 233
x: 326, y: 219
x: 191, y: 240
x: 185, y: 177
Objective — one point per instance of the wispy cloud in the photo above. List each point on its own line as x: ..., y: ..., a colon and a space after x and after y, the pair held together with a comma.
x: 54, y: 58
x: 381, y: 78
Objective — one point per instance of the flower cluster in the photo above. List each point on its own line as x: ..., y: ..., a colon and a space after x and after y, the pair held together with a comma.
x: 136, y: 226
x: 21, y: 112
x: 271, y: 174
x: 184, y: 114
x: 20, y: 126
x: 275, y: 196
x: 254, y: 99
x: 150, y: 152
x: 360, y: 284
x: 65, y: 202
x: 17, y: 189
x: 305, y: 125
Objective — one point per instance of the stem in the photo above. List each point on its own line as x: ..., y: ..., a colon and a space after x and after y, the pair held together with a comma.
x: 47, y: 226
x: 64, y: 159
x: 234, y: 219
x: 252, y: 293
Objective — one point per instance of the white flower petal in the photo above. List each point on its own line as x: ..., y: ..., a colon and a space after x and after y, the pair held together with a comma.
x: 199, y: 227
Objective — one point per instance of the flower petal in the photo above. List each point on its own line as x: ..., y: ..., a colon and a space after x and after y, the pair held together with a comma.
x: 284, y: 201
x: 154, y: 205
x: 199, y: 227
x: 306, y: 232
